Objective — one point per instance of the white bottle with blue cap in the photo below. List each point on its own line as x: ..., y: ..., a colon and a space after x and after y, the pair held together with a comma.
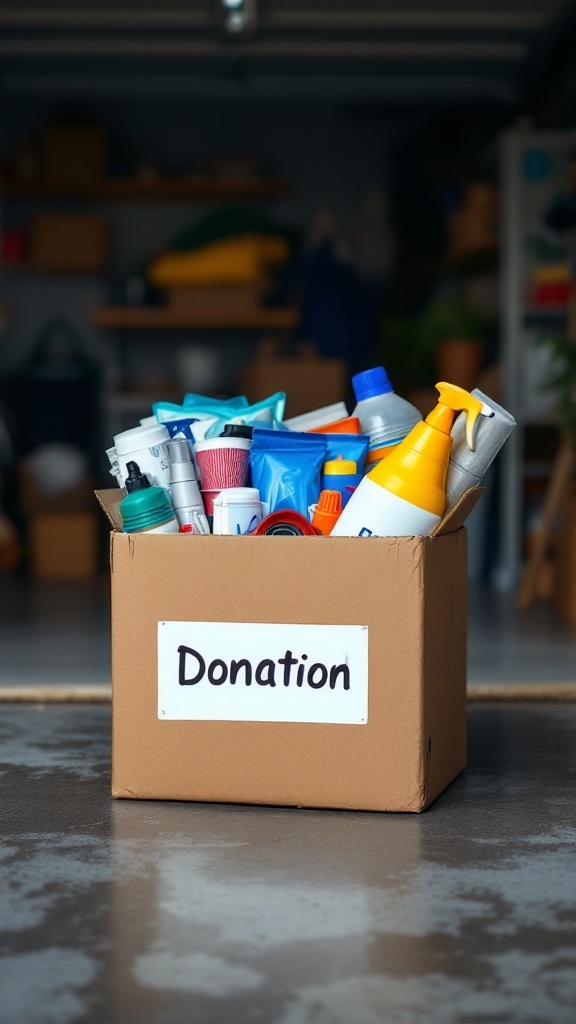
x: 383, y: 415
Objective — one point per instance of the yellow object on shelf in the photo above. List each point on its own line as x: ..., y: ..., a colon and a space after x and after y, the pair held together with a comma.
x: 552, y: 273
x: 233, y: 261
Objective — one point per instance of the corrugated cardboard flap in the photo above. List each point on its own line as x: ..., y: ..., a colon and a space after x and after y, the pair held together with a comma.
x: 457, y: 515
x: 109, y: 501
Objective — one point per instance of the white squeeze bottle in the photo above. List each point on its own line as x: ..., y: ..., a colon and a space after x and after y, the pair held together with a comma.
x: 405, y: 495
x: 383, y: 415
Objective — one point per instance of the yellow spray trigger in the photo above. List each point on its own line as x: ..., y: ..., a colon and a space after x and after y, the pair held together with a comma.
x: 457, y: 400
x: 416, y: 470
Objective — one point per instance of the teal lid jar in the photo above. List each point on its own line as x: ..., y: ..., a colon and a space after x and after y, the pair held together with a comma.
x: 148, y: 511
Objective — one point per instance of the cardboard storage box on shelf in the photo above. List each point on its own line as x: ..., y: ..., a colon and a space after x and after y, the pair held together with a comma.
x: 62, y: 530
x: 69, y: 242
x: 63, y: 546
x: 354, y: 651
x: 31, y: 497
x: 73, y: 154
x: 308, y: 380
x: 218, y: 297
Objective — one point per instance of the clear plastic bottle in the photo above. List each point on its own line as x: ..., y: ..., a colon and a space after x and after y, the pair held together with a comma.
x: 383, y: 415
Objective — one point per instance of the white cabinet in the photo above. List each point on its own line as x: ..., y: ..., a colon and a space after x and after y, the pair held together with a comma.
x: 534, y: 174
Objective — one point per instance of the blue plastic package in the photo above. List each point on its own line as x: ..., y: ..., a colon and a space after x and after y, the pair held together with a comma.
x: 209, y: 416
x: 347, y: 446
x: 200, y: 412
x: 266, y: 413
x: 286, y: 468
x: 192, y: 401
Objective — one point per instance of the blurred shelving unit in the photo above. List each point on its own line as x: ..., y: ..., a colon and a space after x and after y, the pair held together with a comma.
x: 195, y: 188
x: 4, y: 317
x: 524, y: 202
x: 128, y: 318
x: 125, y: 322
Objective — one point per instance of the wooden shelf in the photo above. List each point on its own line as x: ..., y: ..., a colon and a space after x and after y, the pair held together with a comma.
x: 15, y: 270
x: 480, y: 261
x: 476, y: 263
x: 135, y: 401
x: 163, y: 317
x: 194, y: 188
x: 546, y: 312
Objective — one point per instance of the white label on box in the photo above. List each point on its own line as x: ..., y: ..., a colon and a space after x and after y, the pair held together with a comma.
x: 262, y: 672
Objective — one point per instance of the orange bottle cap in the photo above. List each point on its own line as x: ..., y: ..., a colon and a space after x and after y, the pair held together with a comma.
x: 377, y: 454
x: 327, y: 511
x: 350, y: 425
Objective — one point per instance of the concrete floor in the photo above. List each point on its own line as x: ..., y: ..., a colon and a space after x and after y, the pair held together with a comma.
x: 158, y: 913
x: 60, y: 634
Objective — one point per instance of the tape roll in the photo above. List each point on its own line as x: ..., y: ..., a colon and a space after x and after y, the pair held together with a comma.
x: 285, y: 523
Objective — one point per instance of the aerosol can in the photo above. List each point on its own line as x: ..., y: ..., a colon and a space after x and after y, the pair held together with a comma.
x: 405, y: 494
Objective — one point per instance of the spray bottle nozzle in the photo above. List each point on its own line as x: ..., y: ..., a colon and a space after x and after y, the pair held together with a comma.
x: 453, y: 400
x: 178, y: 451
x: 135, y: 481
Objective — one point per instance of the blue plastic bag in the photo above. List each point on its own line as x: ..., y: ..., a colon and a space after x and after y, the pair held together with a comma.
x: 268, y: 413
x: 192, y: 401
x: 347, y: 446
x: 200, y: 412
x: 286, y: 468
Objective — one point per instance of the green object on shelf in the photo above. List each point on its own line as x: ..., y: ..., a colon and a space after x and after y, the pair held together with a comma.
x: 563, y: 352
x: 408, y: 344
x: 449, y: 319
x: 230, y: 222
x: 406, y: 352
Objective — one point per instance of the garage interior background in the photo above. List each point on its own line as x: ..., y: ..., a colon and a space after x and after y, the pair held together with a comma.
x: 419, y: 159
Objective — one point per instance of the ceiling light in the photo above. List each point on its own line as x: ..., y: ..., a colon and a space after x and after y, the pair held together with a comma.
x: 237, y: 17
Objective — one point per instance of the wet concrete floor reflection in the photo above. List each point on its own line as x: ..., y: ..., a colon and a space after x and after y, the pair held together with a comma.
x: 162, y: 913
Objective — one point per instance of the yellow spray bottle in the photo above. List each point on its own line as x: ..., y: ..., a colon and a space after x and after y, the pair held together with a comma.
x: 405, y: 494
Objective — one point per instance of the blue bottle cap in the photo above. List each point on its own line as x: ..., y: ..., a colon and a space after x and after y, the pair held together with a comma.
x: 370, y: 383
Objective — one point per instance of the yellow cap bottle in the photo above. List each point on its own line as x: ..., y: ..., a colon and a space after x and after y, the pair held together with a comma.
x: 405, y: 494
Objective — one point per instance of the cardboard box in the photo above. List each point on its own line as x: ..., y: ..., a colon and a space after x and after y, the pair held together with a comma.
x: 63, y: 545
x: 380, y: 724
x: 31, y: 498
x: 565, y: 566
x: 73, y: 155
x: 69, y: 243
x: 239, y: 298
x: 309, y: 382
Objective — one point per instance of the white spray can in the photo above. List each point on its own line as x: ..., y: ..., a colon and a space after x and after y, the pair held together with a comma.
x: 184, y: 490
x: 466, y: 467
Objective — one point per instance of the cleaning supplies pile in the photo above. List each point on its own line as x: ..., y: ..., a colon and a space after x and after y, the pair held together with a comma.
x: 234, y: 468
x: 226, y: 259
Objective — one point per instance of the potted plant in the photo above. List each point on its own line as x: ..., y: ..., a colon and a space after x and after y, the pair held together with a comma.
x: 563, y: 352
x: 406, y: 353
x: 456, y: 331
